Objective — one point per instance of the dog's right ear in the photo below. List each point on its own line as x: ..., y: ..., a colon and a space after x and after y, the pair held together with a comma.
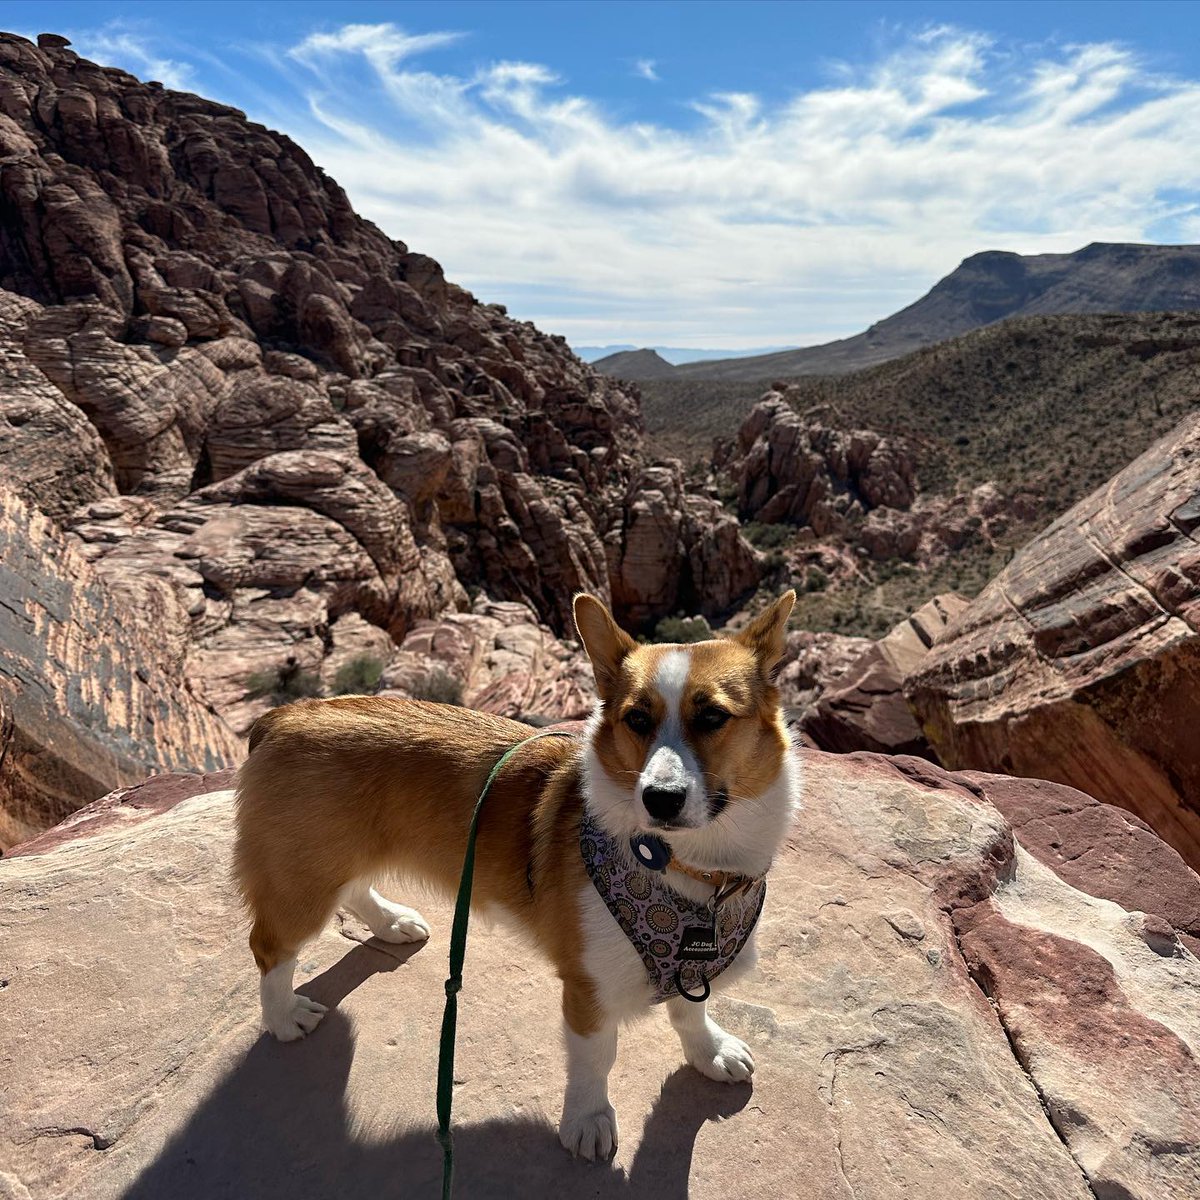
x: 605, y: 641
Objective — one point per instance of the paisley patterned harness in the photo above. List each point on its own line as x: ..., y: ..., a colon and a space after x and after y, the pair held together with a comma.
x: 684, y: 943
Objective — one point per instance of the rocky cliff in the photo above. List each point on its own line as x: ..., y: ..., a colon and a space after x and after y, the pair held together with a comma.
x: 941, y: 1008
x: 1080, y: 662
x: 219, y: 377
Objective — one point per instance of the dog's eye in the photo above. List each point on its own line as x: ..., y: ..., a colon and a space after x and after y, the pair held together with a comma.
x: 710, y: 718
x: 639, y: 721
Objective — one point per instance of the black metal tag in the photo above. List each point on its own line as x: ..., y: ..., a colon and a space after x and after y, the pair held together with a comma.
x: 699, y: 943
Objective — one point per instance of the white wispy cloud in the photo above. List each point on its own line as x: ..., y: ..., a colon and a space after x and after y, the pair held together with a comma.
x: 646, y: 68
x: 746, y: 221
x: 776, y: 223
x: 133, y: 48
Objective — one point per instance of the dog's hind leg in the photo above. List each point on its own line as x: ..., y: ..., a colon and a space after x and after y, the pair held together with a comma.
x: 282, y: 924
x: 388, y: 921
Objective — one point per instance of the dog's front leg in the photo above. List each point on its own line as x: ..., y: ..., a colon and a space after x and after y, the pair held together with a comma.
x: 589, y: 1125
x: 708, y: 1048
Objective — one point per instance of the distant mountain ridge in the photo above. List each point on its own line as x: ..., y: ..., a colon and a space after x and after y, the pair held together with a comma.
x: 675, y: 355
x: 1104, y: 277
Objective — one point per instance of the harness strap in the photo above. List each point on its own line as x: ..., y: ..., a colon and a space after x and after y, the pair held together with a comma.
x: 458, y: 954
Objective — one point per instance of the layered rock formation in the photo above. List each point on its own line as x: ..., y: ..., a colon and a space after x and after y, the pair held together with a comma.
x: 865, y: 708
x: 933, y: 1004
x: 92, y: 691
x: 220, y: 378
x: 1080, y: 662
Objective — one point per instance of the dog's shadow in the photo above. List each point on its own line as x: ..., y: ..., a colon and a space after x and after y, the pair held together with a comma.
x: 278, y: 1127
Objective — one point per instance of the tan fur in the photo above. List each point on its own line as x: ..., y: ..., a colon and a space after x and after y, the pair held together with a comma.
x: 337, y: 789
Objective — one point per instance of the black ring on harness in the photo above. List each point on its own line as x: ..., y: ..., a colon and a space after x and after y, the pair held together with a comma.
x: 688, y: 995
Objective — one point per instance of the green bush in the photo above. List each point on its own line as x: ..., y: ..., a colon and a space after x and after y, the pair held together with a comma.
x: 681, y: 629
x: 440, y: 687
x: 358, y: 677
x: 768, y: 537
x: 815, y: 580
x: 283, y: 684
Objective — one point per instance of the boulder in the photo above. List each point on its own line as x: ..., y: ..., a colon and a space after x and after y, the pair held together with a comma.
x: 92, y: 694
x: 496, y: 658
x: 865, y: 709
x: 1080, y: 661
x: 1053, y: 1054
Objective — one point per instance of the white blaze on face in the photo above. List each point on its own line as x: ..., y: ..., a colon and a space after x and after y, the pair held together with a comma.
x: 671, y: 763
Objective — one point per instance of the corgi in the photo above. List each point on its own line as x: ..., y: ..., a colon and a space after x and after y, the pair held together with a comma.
x: 686, y: 758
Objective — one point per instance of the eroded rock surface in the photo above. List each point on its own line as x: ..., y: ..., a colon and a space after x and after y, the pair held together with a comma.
x: 134, y: 1066
x: 865, y: 708
x: 92, y: 692
x: 1080, y: 662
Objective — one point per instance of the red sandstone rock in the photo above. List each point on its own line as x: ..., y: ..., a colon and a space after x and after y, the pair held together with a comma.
x: 1080, y: 662
x: 1053, y: 1055
x: 91, y: 691
x: 865, y: 709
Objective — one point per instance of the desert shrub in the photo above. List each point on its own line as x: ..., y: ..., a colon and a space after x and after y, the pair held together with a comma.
x: 682, y: 629
x: 358, y: 677
x: 768, y: 536
x: 283, y: 684
x: 815, y: 580
x: 440, y: 687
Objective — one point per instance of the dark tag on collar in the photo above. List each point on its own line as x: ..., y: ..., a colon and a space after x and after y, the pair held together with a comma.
x: 698, y: 944
x: 653, y: 853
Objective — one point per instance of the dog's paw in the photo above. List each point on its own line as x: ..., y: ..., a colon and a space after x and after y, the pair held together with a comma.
x: 400, y: 924
x: 293, y: 1023
x: 725, y: 1058
x: 590, y: 1135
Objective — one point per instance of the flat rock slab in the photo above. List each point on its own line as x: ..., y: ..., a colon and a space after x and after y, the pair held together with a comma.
x: 134, y: 1067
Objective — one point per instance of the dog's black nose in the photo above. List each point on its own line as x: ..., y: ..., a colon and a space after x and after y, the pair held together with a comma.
x: 664, y: 804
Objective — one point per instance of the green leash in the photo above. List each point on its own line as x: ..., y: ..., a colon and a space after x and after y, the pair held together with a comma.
x: 458, y: 953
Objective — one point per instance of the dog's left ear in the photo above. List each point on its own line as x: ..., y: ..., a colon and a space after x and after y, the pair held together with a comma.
x: 766, y: 635
x: 605, y: 641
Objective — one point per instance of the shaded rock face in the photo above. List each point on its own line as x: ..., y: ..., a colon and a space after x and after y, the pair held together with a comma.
x: 1054, y: 1055
x: 676, y: 551
x: 92, y: 694
x: 789, y: 469
x: 859, y: 486
x: 1080, y: 662
x: 865, y: 708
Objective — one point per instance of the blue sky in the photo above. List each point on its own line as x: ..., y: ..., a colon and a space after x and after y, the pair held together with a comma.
x: 704, y: 174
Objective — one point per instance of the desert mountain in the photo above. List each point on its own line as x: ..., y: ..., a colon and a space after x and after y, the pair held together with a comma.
x: 634, y: 364
x: 985, y: 288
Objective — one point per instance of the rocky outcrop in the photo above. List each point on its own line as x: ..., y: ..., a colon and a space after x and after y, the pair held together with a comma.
x: 198, y: 290
x: 1080, y: 662
x: 932, y: 1003
x: 791, y: 469
x: 499, y: 659
x: 92, y: 691
x: 677, y: 551
x: 812, y: 664
x: 865, y: 708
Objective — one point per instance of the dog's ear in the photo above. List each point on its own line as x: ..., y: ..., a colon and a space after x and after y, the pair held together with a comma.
x: 766, y: 635
x: 605, y: 641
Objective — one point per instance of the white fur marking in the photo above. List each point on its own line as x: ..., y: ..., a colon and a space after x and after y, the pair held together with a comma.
x: 671, y: 763
x: 388, y: 921
x: 589, y: 1125
x: 707, y: 1046
x: 285, y: 1014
